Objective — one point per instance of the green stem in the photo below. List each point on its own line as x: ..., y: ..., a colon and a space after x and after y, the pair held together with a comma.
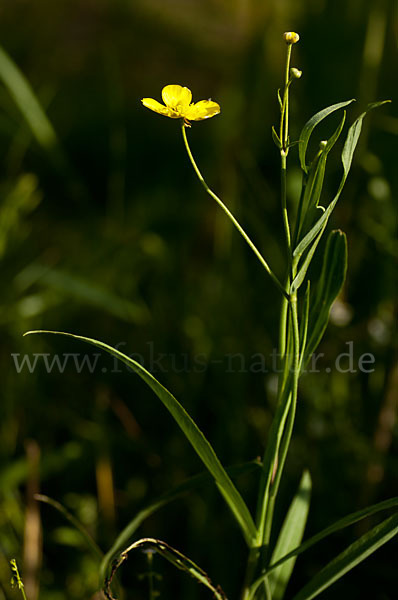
x: 284, y: 124
x: 285, y: 217
x: 289, y: 343
x: 285, y: 443
x: 231, y: 216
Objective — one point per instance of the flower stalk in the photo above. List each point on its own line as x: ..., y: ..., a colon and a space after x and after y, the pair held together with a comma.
x: 230, y: 216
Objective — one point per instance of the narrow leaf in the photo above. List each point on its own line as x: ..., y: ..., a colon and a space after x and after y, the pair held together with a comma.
x: 310, y: 126
x: 346, y: 157
x: 314, y: 185
x: 192, y: 432
x: 350, y: 558
x: 25, y: 99
x: 353, y: 136
x: 298, y: 280
x: 172, y: 555
x: 304, y: 322
x: 73, y: 521
x: 337, y: 526
x: 341, y: 524
x: 290, y: 536
x: 331, y: 280
x: 275, y: 138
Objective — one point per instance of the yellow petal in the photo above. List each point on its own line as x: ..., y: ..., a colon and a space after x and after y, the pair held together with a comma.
x: 177, y: 97
x: 202, y: 110
x: 157, y: 107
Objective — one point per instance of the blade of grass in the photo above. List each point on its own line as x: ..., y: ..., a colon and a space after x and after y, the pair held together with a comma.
x: 25, y: 99
x: 290, y: 535
x: 73, y: 521
x: 345, y: 522
x: 176, y: 558
x: 337, y: 526
x: 350, y: 558
x: 192, y: 432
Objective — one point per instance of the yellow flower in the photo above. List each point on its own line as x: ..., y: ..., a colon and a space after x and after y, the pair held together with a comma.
x: 177, y: 105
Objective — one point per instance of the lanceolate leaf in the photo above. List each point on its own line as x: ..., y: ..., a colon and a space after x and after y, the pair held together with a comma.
x: 341, y: 524
x: 350, y: 558
x: 192, y: 433
x: 330, y: 283
x: 346, y: 157
x: 313, y: 188
x: 290, y: 536
x: 353, y: 136
x: 25, y: 99
x: 337, y: 526
x: 310, y: 126
x: 298, y: 280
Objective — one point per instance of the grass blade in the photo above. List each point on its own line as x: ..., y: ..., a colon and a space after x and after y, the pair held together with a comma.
x: 25, y: 99
x: 192, y: 432
x: 175, y: 557
x: 73, y: 521
x: 337, y: 526
x: 290, y: 536
x: 350, y: 558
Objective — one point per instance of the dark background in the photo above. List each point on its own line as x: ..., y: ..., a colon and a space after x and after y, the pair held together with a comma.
x: 107, y: 233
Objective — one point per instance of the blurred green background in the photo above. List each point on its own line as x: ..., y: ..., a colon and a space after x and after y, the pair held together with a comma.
x: 104, y: 231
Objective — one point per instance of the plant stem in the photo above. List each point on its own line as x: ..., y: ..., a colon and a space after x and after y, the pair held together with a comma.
x: 231, y: 216
x: 289, y: 350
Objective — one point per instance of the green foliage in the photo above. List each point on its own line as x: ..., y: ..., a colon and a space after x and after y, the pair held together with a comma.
x: 192, y: 432
x: 290, y: 536
x: 330, y: 282
x: 99, y: 247
x: 350, y: 558
x: 176, y: 558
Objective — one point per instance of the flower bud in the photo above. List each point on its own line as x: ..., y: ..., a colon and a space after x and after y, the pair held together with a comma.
x: 291, y: 37
x: 323, y: 144
x: 295, y: 73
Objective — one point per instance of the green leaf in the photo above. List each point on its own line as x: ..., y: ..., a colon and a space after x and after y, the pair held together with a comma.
x: 310, y: 126
x: 275, y: 138
x: 353, y: 136
x: 192, y: 432
x: 25, y: 99
x: 187, y: 486
x: 84, y: 290
x: 298, y: 280
x: 337, y: 526
x: 172, y: 555
x: 290, y: 536
x: 346, y: 157
x: 350, y: 519
x: 331, y: 280
x: 314, y: 182
x: 350, y: 558
x: 73, y: 521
